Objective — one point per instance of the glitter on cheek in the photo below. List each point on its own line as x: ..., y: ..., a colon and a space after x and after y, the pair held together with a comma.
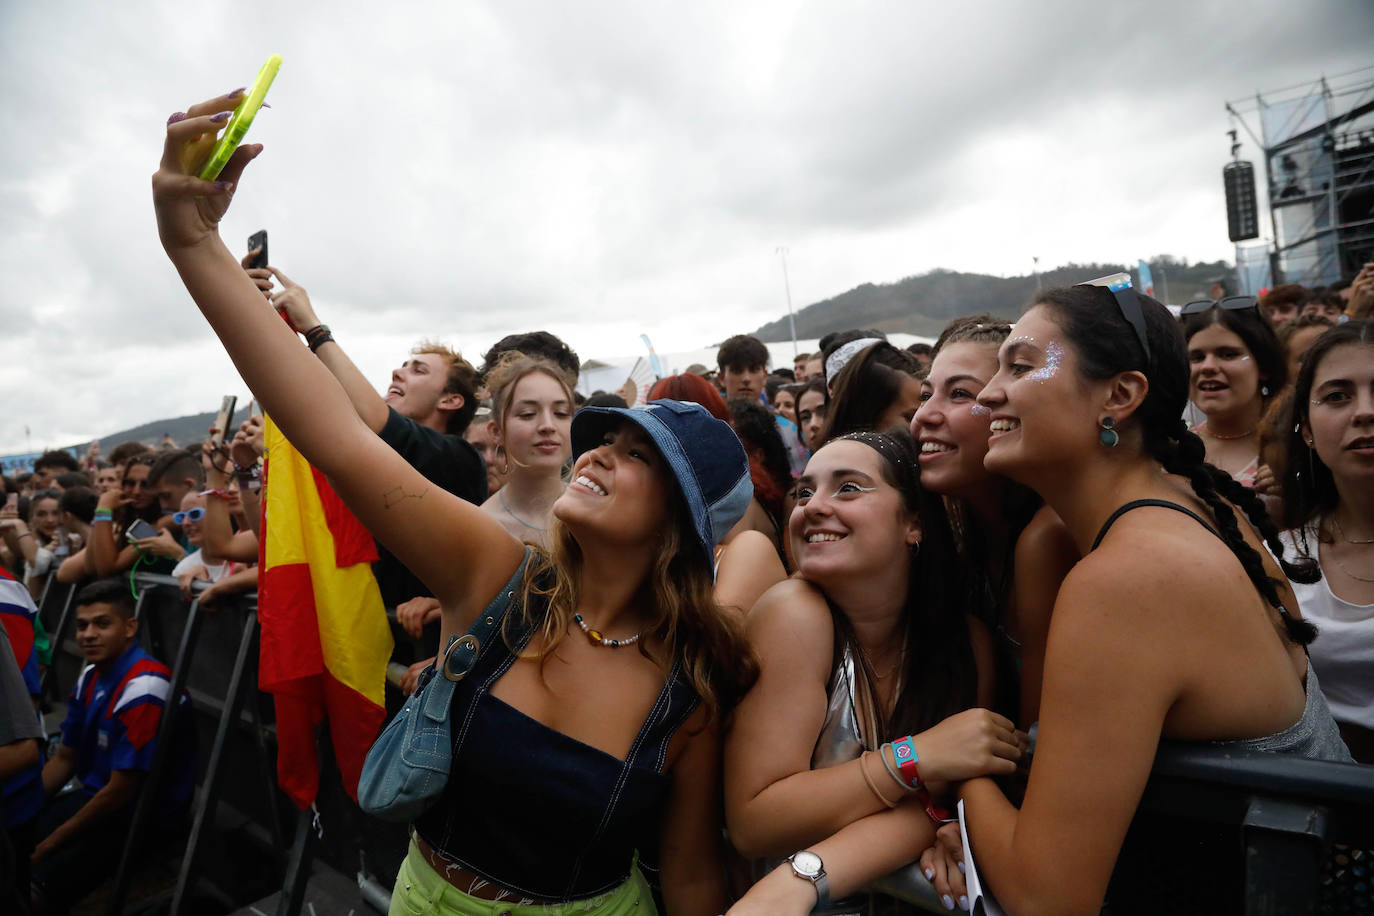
x: 978, y: 410
x: 1054, y: 355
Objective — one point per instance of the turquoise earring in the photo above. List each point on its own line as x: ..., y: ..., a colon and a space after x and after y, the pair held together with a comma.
x: 1109, y: 436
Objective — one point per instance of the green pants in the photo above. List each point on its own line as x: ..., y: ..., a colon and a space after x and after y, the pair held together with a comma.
x: 421, y: 890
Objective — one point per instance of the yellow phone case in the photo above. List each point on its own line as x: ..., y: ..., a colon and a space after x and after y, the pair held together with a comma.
x: 241, y: 120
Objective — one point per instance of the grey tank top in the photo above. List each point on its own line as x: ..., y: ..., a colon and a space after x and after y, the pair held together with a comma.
x: 841, y: 740
x: 1314, y: 736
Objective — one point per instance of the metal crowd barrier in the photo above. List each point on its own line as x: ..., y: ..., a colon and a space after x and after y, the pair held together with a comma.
x: 161, y: 610
x: 1301, y: 831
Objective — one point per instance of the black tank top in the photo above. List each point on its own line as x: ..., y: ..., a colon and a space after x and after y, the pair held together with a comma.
x: 1165, y: 504
x: 538, y: 812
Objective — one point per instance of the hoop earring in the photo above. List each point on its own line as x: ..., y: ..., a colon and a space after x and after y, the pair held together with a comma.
x: 504, y: 469
x: 1264, y: 391
x: 915, y: 550
x: 1109, y: 436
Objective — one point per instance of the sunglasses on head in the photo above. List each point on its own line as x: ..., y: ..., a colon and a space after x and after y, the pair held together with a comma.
x: 1230, y: 303
x: 190, y: 515
x: 1129, y: 302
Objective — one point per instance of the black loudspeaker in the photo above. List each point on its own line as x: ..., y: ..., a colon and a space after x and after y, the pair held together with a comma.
x: 1242, y: 218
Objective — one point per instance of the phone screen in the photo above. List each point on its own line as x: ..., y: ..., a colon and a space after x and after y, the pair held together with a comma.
x: 140, y: 530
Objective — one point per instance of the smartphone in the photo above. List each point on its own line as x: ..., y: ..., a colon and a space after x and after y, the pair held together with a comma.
x: 223, y: 419
x: 242, y: 119
x: 258, y: 240
x: 140, y: 530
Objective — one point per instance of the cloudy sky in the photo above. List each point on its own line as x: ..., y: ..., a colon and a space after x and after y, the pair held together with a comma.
x: 599, y: 169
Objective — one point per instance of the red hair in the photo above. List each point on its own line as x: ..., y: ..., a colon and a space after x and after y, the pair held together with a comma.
x: 691, y: 387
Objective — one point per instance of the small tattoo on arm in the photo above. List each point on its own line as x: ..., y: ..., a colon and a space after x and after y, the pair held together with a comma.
x: 395, y: 496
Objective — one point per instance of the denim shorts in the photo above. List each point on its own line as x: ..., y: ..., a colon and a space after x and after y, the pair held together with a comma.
x: 421, y: 890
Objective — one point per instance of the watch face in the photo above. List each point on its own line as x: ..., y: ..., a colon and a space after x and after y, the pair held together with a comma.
x: 807, y: 864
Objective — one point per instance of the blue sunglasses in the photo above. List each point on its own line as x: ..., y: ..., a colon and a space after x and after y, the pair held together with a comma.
x: 190, y: 515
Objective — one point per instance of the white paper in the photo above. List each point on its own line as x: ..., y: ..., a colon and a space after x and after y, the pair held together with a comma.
x: 980, y: 898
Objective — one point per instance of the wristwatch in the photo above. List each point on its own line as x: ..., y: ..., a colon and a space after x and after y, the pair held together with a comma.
x: 806, y: 864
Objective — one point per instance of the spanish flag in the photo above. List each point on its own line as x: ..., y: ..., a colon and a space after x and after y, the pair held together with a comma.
x: 325, y: 635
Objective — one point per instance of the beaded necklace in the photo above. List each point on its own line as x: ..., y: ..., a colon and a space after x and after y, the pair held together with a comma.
x: 598, y: 639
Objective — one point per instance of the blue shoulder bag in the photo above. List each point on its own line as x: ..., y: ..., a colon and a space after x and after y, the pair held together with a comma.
x: 408, y: 765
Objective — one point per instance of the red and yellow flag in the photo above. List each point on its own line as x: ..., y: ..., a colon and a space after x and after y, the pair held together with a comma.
x: 325, y: 636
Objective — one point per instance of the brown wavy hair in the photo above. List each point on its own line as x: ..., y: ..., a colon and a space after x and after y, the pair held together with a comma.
x: 708, y: 640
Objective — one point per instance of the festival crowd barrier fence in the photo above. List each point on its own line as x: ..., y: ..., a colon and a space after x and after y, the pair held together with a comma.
x: 1295, y: 835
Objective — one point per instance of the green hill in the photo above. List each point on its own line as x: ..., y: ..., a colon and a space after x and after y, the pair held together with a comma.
x: 922, y: 304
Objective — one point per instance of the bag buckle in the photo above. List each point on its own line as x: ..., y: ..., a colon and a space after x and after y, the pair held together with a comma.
x: 457, y: 668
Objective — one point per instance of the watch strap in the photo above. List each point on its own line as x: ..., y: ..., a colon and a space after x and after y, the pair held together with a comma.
x: 820, y: 881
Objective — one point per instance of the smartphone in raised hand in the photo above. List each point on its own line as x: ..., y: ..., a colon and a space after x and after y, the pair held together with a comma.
x: 258, y: 242
x: 223, y: 419
x: 241, y: 120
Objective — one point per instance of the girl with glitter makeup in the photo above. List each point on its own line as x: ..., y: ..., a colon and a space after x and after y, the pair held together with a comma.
x: 1237, y: 368
x: 1016, y: 550
x: 1328, y: 501
x: 1176, y: 624
x: 531, y: 417
x: 590, y: 739
x: 867, y: 658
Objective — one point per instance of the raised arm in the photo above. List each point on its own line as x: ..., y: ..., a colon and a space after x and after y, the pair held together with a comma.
x: 292, y: 301
x: 455, y: 549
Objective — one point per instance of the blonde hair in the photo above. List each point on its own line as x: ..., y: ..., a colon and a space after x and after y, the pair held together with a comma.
x: 708, y: 639
x: 459, y: 378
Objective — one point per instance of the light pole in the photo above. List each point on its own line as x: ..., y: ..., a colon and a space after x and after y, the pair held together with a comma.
x: 781, y: 252
x: 1035, y: 268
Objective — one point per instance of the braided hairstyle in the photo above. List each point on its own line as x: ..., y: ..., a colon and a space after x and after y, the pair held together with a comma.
x: 1106, y: 345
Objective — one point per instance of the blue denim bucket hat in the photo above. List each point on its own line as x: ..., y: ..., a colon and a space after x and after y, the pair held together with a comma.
x: 704, y: 454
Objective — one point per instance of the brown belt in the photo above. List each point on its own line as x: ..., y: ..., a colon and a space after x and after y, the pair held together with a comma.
x: 473, y: 885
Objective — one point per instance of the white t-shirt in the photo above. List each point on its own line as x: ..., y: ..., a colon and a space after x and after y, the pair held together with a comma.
x: 194, y: 559
x: 1343, y: 652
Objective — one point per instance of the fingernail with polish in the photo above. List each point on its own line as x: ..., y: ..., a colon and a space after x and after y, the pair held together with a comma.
x: 221, y: 116
x: 224, y: 185
x: 177, y: 116
x: 963, y: 904
x: 961, y: 868
x: 948, y: 901
x: 238, y: 91
x: 930, y: 874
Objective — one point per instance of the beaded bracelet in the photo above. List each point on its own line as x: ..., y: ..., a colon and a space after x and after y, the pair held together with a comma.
x: 863, y: 768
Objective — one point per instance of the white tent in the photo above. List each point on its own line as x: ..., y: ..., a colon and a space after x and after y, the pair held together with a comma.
x: 609, y: 373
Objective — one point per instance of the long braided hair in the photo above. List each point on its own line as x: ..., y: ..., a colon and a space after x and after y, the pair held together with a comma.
x: 1106, y: 345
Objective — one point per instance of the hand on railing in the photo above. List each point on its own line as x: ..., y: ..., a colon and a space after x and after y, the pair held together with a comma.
x: 412, y: 615
x: 943, y: 864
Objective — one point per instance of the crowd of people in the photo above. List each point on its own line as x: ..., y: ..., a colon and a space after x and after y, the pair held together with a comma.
x: 764, y: 632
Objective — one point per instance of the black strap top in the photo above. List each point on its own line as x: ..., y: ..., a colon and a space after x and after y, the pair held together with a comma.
x: 537, y: 811
x: 1166, y: 504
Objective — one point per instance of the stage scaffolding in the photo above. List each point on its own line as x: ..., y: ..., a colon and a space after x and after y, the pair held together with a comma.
x: 1318, y: 145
